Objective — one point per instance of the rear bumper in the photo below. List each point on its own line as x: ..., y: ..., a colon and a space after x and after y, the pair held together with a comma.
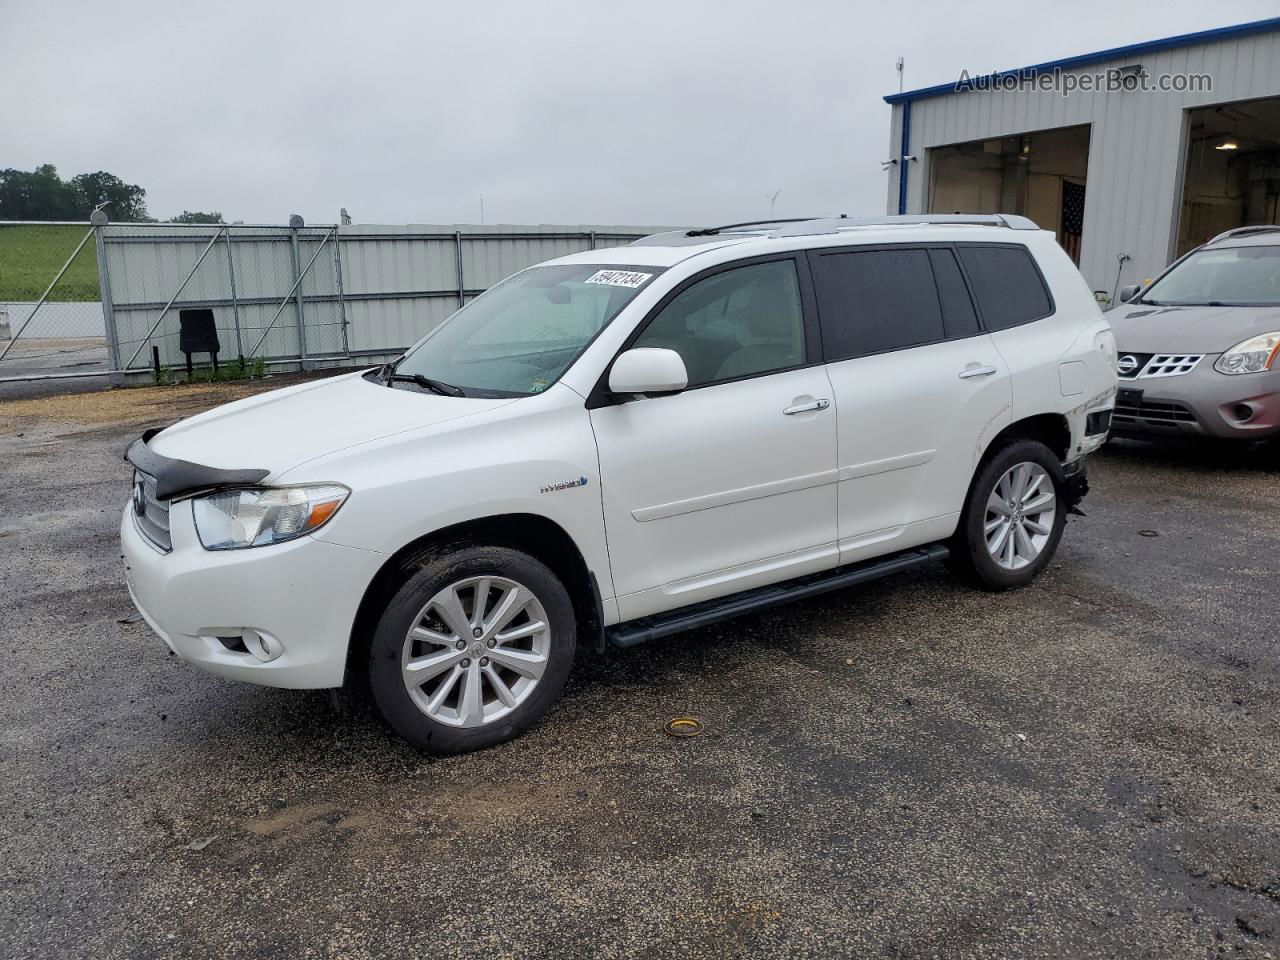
x: 1203, y: 403
x: 1077, y: 483
x: 299, y: 598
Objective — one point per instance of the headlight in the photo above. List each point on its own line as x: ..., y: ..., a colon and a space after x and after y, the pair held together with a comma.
x: 259, y: 516
x: 1251, y: 356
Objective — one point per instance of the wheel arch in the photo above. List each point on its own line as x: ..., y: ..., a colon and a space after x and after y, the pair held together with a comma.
x: 1051, y: 429
x: 531, y: 533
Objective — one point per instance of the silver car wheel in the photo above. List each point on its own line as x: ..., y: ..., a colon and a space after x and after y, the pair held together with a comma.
x: 476, y: 651
x: 1020, y: 514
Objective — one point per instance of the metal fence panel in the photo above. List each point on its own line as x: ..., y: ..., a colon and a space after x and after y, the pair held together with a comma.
x: 289, y: 294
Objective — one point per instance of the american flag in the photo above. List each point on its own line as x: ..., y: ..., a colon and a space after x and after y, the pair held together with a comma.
x: 1072, y: 219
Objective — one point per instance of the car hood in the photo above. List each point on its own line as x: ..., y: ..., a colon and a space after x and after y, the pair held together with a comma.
x: 1140, y: 328
x: 279, y: 430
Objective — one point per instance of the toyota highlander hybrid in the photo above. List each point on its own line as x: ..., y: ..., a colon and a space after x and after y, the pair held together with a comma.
x: 623, y: 443
x: 1197, y: 349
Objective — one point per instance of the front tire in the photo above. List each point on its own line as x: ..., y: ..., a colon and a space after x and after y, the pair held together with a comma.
x: 473, y: 649
x: 1013, y: 516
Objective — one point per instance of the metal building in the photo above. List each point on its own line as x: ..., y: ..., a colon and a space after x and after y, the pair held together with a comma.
x: 1132, y: 155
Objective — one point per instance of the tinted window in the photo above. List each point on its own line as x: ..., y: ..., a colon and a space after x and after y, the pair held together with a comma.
x: 958, y: 315
x: 870, y: 301
x: 1007, y: 285
x: 733, y: 324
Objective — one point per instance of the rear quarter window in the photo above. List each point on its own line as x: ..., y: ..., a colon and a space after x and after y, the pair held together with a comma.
x: 1007, y: 285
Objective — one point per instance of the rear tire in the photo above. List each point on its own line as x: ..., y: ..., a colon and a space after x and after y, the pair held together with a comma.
x: 449, y: 677
x: 1013, y: 516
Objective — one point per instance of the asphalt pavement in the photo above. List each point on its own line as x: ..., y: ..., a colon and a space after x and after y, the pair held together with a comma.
x: 1085, y: 768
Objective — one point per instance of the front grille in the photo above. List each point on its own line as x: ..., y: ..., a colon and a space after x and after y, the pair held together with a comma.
x: 153, y: 518
x: 1145, y: 366
x: 1158, y: 412
x: 1171, y: 364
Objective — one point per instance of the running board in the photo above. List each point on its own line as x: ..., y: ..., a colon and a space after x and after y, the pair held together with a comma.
x: 635, y: 632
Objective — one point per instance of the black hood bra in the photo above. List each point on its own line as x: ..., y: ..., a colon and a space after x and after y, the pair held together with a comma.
x: 174, y: 478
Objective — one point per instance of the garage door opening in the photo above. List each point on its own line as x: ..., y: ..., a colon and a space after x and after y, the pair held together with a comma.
x: 1040, y: 175
x: 1232, y: 173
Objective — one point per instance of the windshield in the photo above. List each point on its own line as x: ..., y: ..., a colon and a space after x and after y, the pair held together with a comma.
x: 1236, y: 276
x: 518, y: 337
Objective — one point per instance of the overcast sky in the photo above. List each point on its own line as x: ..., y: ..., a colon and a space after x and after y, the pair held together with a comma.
x: 558, y: 112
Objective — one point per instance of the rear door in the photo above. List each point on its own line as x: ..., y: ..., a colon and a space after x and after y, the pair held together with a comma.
x: 919, y: 390
x: 1013, y: 298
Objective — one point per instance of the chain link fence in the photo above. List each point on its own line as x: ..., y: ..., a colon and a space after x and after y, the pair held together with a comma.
x: 117, y: 303
x: 51, y: 320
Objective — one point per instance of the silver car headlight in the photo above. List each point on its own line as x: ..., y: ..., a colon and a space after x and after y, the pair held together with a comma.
x: 1250, y: 356
x: 233, y: 519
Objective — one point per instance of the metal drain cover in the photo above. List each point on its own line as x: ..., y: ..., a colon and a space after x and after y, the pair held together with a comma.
x: 683, y: 727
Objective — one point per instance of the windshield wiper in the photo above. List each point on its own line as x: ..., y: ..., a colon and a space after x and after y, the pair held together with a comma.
x: 435, y: 386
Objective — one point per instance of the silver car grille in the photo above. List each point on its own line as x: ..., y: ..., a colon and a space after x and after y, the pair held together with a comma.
x: 1145, y: 366
x: 1162, y: 413
x: 151, y: 515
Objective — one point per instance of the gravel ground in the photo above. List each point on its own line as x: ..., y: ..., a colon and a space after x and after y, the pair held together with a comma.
x: 1085, y: 768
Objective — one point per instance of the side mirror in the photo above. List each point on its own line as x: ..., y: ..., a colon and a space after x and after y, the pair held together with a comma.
x: 1129, y: 292
x: 648, y: 370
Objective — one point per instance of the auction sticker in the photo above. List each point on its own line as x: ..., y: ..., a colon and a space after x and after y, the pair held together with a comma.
x: 619, y: 278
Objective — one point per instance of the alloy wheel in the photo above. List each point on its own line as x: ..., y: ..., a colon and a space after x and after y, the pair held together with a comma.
x: 1020, y: 513
x: 476, y: 651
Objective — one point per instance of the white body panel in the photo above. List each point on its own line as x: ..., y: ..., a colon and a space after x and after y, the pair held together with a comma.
x: 911, y: 431
x: 670, y: 500
x: 707, y: 485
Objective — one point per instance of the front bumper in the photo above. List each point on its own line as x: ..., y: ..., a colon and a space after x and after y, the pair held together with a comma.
x: 302, y: 595
x: 1202, y: 403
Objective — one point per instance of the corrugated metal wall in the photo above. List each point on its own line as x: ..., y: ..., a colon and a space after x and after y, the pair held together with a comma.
x: 365, y: 289
x: 1136, y: 149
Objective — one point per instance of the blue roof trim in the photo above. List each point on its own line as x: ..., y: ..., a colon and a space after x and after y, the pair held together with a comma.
x: 1115, y: 53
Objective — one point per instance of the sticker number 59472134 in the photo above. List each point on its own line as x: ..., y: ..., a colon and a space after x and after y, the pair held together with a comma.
x: 619, y: 278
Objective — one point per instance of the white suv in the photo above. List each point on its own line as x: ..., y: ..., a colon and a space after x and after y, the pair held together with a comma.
x: 624, y: 443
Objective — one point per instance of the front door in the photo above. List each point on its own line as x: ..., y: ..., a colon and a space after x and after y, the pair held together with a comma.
x: 729, y: 484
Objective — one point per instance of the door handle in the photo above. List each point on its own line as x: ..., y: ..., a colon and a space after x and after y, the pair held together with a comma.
x: 807, y: 407
x: 968, y: 373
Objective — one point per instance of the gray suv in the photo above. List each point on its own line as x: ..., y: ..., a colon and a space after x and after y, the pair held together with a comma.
x: 1196, y: 350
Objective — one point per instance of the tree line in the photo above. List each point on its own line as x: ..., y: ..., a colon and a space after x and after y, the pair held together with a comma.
x: 41, y: 194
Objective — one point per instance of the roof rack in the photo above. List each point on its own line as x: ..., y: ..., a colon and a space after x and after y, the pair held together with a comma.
x: 712, y: 231
x: 1007, y: 220
x: 1247, y: 231
x: 810, y: 226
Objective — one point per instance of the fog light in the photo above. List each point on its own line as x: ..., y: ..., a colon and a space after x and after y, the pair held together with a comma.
x: 1243, y: 412
x: 1097, y: 422
x: 263, y: 646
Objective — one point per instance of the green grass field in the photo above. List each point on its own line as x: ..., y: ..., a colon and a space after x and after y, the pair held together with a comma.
x: 30, y: 256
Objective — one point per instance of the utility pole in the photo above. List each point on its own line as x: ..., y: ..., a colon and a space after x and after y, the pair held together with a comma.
x: 900, y: 65
x: 482, y: 209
